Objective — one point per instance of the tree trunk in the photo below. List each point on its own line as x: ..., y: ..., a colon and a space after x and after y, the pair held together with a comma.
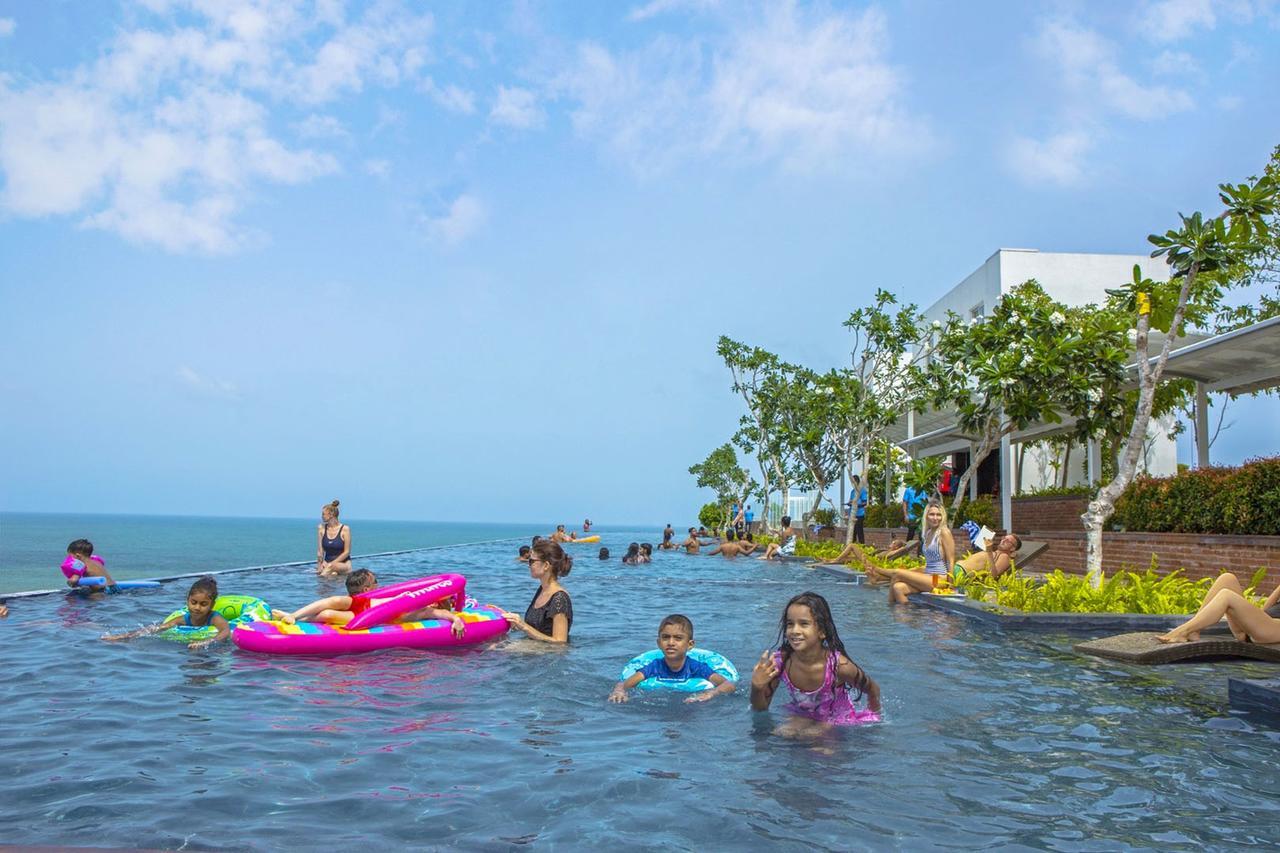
x: 989, y: 436
x: 1066, y: 464
x: 1022, y: 456
x: 1101, y: 507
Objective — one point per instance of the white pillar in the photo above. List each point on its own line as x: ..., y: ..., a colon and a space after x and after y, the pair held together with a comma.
x: 1094, y: 450
x: 1202, y: 426
x: 1006, y: 482
x: 911, y: 424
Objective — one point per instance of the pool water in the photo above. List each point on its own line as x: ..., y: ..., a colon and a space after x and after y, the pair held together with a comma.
x: 990, y: 739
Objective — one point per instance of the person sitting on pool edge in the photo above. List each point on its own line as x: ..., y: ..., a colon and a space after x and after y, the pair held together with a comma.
x: 995, y: 559
x: 786, y: 544
x: 341, y: 609
x: 89, y: 565
x: 675, y: 640
x: 1249, y: 622
x: 898, y: 547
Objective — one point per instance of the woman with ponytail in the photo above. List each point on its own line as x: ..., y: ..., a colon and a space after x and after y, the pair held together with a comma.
x: 333, y: 543
x: 550, y: 614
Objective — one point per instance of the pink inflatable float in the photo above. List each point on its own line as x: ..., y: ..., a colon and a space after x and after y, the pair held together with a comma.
x: 374, y: 626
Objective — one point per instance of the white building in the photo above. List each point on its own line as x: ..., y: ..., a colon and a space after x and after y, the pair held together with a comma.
x: 1073, y: 279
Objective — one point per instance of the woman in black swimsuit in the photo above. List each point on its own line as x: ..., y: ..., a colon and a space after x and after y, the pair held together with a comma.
x: 333, y: 543
x: 550, y: 614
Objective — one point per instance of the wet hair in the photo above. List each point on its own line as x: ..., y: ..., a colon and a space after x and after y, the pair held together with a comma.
x: 536, y: 540
x: 560, y: 562
x: 691, y: 529
x: 360, y: 580
x: 747, y: 536
x: 647, y: 549
x: 207, y: 584
x: 680, y: 621
x: 633, y: 553
x: 332, y: 506
x: 604, y: 553
x: 524, y: 551
x: 560, y: 527
x: 786, y: 521
x: 826, y: 627
x: 80, y: 546
x: 730, y: 534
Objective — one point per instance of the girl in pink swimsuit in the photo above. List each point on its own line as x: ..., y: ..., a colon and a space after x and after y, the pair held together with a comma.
x: 812, y: 663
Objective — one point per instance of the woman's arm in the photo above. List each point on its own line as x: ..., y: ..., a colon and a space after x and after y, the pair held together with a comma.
x: 559, y: 628
x: 948, y: 549
x: 344, y: 533
x: 333, y: 602
x: 319, y: 545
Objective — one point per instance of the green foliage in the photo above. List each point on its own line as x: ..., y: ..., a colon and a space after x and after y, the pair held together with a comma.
x: 824, y: 516
x: 712, y: 515
x: 885, y: 515
x: 1081, y: 490
x: 1122, y: 592
x: 982, y: 510
x: 1243, y: 500
x: 873, y: 476
x: 923, y: 474
x: 721, y: 473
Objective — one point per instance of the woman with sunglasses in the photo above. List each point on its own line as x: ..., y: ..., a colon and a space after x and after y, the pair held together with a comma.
x: 550, y: 613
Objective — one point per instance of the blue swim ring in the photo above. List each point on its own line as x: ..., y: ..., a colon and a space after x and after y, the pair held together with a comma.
x: 236, y: 609
x: 719, y: 664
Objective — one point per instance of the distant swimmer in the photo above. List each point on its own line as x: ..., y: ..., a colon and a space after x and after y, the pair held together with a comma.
x: 560, y: 535
x: 668, y: 539
x: 586, y: 525
x: 333, y: 543
x: 694, y: 544
x: 733, y: 547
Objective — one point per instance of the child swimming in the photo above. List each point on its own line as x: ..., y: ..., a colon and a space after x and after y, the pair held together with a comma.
x: 198, y: 613
x: 81, y: 562
x: 812, y: 663
x: 675, y: 639
x: 341, y: 609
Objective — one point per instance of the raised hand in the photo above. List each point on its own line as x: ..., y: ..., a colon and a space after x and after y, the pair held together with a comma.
x: 765, y: 670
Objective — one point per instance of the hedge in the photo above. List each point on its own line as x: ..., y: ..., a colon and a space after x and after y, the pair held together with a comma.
x: 1242, y: 501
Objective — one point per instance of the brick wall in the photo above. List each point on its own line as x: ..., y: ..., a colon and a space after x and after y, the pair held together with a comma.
x: 1199, y: 555
x: 1048, y: 513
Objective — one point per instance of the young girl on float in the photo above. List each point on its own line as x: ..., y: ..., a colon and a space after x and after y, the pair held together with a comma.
x: 812, y: 664
x: 198, y: 613
x: 341, y: 609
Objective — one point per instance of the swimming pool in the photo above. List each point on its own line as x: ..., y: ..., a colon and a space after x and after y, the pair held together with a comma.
x: 991, y: 740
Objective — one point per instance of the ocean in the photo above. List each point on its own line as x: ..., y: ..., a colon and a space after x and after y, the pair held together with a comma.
x: 32, y: 545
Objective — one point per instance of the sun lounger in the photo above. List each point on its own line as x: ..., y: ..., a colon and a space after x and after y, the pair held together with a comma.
x: 1028, y: 552
x: 1143, y: 648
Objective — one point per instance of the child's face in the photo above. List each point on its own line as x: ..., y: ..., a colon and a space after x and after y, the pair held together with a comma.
x: 802, y: 629
x: 369, y: 584
x: 675, y: 643
x: 199, y: 605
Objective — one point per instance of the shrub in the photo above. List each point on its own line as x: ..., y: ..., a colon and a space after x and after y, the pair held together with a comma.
x: 711, y: 516
x: 1080, y: 490
x: 825, y: 516
x: 1243, y: 500
x: 981, y: 511
x: 885, y: 515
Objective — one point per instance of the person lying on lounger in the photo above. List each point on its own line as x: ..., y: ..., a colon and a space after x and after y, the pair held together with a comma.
x: 898, y: 547
x: 1248, y: 622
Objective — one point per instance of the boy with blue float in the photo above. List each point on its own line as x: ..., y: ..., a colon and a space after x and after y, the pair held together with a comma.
x: 673, y: 666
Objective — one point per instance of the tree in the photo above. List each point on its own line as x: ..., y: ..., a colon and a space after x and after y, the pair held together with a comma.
x: 1198, y: 251
x: 885, y: 380
x: 721, y: 473
x: 1032, y: 360
x: 752, y: 369
x: 806, y: 422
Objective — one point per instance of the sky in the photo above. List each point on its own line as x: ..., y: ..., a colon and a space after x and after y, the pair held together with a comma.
x: 469, y: 261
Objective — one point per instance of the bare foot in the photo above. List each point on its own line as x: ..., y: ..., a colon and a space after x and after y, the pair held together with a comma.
x: 1175, y: 637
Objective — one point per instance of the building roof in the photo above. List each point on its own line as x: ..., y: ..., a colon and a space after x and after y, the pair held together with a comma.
x: 1237, y: 362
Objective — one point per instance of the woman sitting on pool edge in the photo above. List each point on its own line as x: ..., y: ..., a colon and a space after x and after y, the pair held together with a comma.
x: 995, y: 559
x: 333, y: 544
x: 939, y: 555
x: 550, y: 614
x: 1249, y: 623
x: 786, y: 544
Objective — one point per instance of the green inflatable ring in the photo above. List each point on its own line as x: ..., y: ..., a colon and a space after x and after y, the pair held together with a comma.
x: 236, y: 609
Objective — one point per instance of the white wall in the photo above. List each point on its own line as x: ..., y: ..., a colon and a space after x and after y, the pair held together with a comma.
x: 1074, y: 279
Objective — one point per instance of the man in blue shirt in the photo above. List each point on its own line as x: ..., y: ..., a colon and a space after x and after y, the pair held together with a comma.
x: 913, y: 501
x: 858, y: 503
x: 750, y: 517
x: 675, y: 640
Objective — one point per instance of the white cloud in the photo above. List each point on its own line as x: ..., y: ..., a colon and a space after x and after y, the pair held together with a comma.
x: 1058, y: 160
x: 316, y: 126
x: 167, y: 134
x: 1173, y: 20
x: 1175, y: 62
x: 451, y: 97
x: 516, y: 107
x: 7, y: 26
x: 661, y: 7
x: 377, y: 168
x: 809, y: 91
x: 1091, y: 72
x: 464, y: 216
x: 207, y: 384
